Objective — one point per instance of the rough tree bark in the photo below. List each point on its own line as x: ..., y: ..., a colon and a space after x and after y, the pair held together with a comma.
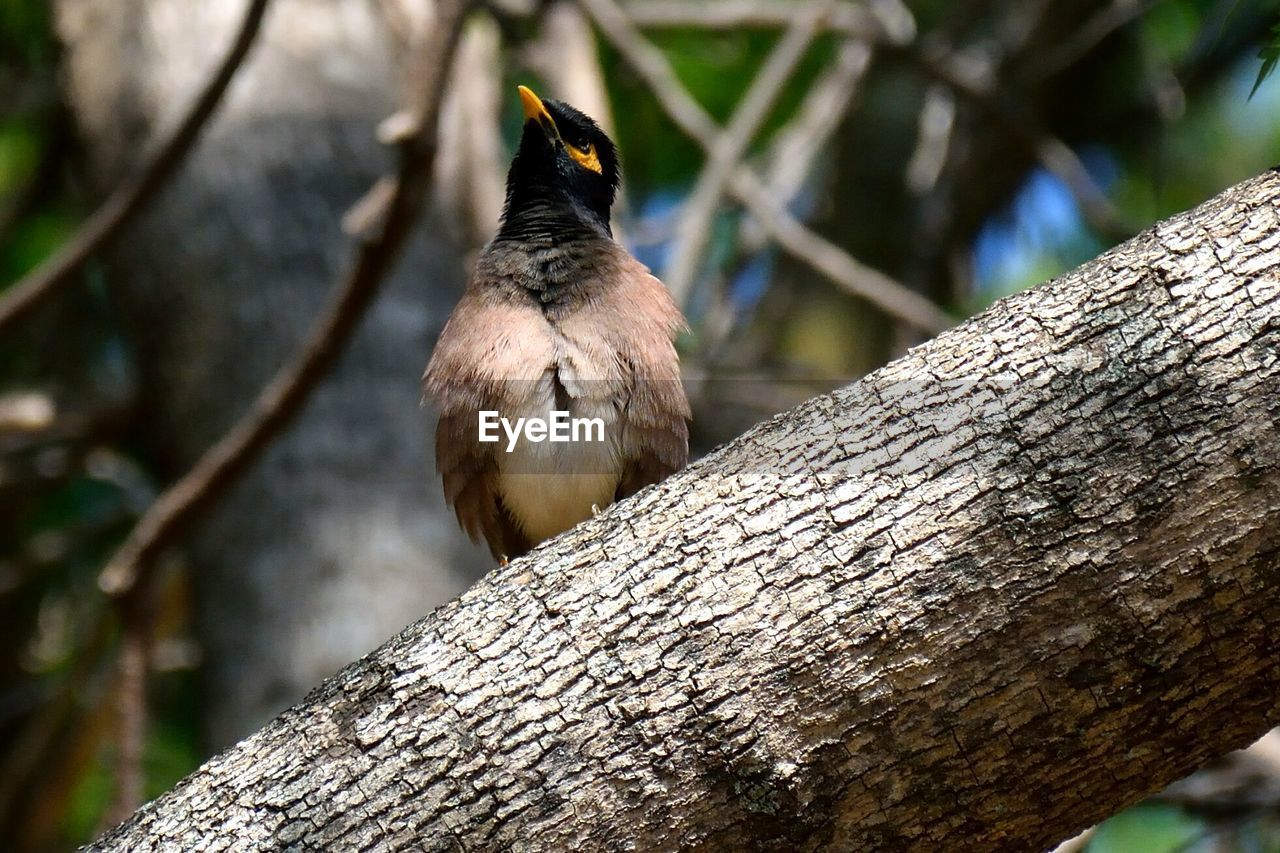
x: 981, y: 599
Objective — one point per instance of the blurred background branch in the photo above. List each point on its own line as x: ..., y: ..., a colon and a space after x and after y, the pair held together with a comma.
x: 693, y: 229
x: 383, y: 230
x: 823, y: 256
x: 108, y: 221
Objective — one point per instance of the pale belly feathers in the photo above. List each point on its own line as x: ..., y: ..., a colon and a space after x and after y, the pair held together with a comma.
x: 548, y: 487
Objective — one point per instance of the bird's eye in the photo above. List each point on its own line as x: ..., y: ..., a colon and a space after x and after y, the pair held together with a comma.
x: 585, y: 157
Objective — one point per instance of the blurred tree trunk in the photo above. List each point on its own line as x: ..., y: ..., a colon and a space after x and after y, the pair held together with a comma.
x: 338, y: 537
x: 985, y: 597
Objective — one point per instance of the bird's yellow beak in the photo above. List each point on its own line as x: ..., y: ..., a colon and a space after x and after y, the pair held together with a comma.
x: 535, y: 110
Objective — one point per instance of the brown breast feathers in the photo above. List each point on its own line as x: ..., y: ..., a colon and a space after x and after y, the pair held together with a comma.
x: 583, y: 330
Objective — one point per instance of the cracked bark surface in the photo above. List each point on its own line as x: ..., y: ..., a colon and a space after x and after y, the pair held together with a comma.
x: 981, y: 599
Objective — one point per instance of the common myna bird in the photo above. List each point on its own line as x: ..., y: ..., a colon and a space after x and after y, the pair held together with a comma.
x: 558, y: 325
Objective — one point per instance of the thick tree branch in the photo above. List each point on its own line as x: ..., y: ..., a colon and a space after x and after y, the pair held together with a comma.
x: 986, y: 596
x: 109, y: 220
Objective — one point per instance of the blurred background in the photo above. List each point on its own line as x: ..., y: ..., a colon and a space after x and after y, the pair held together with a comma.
x: 821, y: 183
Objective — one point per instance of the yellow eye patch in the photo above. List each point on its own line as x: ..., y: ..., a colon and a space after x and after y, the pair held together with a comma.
x: 587, y: 159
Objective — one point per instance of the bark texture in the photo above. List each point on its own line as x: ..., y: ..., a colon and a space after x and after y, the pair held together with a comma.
x: 339, y: 536
x: 979, y: 600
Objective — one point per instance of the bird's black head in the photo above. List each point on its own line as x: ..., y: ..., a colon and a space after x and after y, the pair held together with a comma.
x: 565, y: 173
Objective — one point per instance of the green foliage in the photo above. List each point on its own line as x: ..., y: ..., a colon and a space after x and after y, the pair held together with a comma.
x: 87, y: 803
x: 27, y: 57
x: 1221, y: 139
x: 171, y: 751
x: 20, y: 143
x: 35, y: 238
x: 173, y: 746
x: 716, y: 68
x: 26, y: 32
x: 1270, y: 55
x: 1147, y: 829
x: 1171, y: 30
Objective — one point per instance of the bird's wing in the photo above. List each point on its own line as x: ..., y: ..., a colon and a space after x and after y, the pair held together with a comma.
x: 469, y: 474
x: 631, y: 316
x: 655, y: 433
x: 490, y: 352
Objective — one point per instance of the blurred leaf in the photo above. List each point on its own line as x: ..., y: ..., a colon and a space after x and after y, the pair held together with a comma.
x: 1147, y: 829
x: 26, y: 32
x: 88, y: 801
x: 1270, y: 55
x: 19, y: 155
x: 1171, y: 30
x: 34, y: 239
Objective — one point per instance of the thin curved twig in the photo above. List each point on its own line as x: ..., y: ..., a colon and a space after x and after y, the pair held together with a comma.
x: 108, y: 221
x: 731, y: 145
x: 380, y: 241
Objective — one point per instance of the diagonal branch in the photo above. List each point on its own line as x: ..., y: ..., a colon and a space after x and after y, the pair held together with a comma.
x: 854, y: 20
x: 980, y: 599
x: 795, y: 150
x: 282, y: 398
x: 791, y: 163
x: 807, y: 246
x: 730, y: 146
x: 1115, y: 15
x: 833, y: 262
x: 109, y: 220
